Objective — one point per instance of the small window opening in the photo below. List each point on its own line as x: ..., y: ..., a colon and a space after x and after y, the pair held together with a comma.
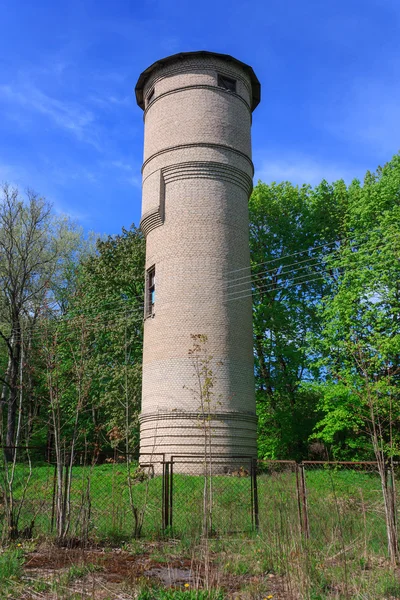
x: 151, y: 291
x: 227, y: 83
x: 150, y: 97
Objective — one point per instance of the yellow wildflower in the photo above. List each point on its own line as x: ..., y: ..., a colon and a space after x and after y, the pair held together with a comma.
x: 187, y: 585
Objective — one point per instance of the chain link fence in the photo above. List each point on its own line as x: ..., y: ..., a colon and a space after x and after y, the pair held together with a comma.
x: 222, y: 487
x: 336, y: 508
x: 345, y: 508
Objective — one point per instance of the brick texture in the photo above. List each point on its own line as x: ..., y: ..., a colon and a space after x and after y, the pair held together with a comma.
x: 197, y: 177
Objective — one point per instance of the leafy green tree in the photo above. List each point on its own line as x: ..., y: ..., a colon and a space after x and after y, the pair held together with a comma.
x: 34, y: 245
x: 360, y: 337
x: 292, y: 231
x: 360, y: 341
x: 109, y: 298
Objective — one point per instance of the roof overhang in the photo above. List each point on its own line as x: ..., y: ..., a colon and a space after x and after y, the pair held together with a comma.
x: 255, y: 84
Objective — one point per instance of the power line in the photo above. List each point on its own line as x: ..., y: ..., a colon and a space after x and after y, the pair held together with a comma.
x: 110, y: 303
x: 57, y: 325
x: 277, y: 289
x: 249, y: 282
x: 259, y: 275
x: 97, y: 319
x: 237, y: 280
x: 270, y: 287
x: 309, y: 249
x: 96, y: 322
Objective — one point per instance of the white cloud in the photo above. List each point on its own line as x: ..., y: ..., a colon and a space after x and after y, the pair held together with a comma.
x: 299, y: 169
x: 119, y: 164
x: 131, y: 173
x: 112, y: 101
x: 135, y: 181
x: 67, y: 115
x: 21, y: 178
x: 15, y: 176
x: 369, y: 113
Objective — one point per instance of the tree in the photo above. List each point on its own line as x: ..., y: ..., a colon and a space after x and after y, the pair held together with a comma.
x: 291, y: 233
x: 109, y: 296
x: 33, y: 246
x: 360, y: 341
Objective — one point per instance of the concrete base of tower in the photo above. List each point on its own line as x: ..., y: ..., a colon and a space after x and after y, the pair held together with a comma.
x: 224, y: 442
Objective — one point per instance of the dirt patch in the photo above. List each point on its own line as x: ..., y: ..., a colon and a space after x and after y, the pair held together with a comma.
x: 116, y: 571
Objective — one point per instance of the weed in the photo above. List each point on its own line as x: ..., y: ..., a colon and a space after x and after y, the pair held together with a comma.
x: 154, y: 593
x: 11, y: 569
x: 79, y: 571
x: 11, y: 564
x: 392, y: 589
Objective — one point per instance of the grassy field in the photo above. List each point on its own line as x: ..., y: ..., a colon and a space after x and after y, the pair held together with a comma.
x: 344, y: 506
x: 239, y: 568
x: 345, y: 555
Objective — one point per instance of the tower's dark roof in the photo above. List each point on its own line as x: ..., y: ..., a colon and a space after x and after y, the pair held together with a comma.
x: 255, y: 84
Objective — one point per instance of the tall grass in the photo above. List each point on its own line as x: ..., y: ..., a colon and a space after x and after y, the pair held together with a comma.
x: 11, y: 569
x: 345, y: 508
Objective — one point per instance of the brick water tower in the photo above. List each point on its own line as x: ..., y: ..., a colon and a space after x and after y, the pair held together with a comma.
x: 197, y: 178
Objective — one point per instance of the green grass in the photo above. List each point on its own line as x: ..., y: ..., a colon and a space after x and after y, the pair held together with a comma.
x: 247, y: 563
x: 157, y: 593
x: 344, y: 506
x: 11, y: 569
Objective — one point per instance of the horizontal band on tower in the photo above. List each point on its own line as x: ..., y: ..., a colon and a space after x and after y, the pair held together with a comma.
x: 199, y: 145
x: 179, y: 415
x: 208, y: 170
x: 197, y: 86
x: 150, y: 221
x: 234, y: 426
x: 188, y: 69
x: 193, y: 432
x: 192, y: 170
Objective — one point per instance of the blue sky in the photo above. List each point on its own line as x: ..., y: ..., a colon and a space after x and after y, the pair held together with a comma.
x: 71, y: 130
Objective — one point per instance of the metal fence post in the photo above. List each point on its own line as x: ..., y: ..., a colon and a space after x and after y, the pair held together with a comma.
x: 299, y: 501
x: 303, y: 502
x: 165, y: 507
x: 163, y: 497
x: 171, y: 479
x: 254, y: 494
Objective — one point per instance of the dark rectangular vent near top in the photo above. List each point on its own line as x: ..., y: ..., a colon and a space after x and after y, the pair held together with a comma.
x: 227, y: 83
x: 150, y: 97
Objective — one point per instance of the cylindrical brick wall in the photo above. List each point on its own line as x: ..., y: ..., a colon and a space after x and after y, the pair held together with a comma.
x: 197, y: 177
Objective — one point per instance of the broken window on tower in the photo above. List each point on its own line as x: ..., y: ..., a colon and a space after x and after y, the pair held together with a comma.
x: 227, y: 83
x: 151, y: 290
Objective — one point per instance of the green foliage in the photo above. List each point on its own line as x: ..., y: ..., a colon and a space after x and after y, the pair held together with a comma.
x: 11, y: 568
x: 110, y: 296
x: 291, y: 232
x: 80, y: 571
x: 359, y: 345
x: 35, y: 248
x: 158, y: 593
x: 325, y: 285
x: 91, y: 357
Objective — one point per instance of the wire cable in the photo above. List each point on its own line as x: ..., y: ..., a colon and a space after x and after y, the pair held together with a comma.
x: 270, y: 287
x: 251, y: 276
x: 309, y: 249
